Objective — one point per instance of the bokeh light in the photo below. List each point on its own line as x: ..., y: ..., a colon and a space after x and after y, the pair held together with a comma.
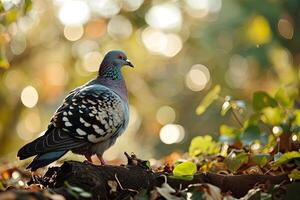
x: 201, y: 8
x: 165, y: 115
x: 95, y: 28
x: 197, y: 78
x: 238, y: 72
x: 285, y: 28
x: 55, y: 74
x: 73, y: 33
x: 277, y: 130
x: 258, y: 30
x: 82, y: 47
x: 171, y: 133
x: 74, y: 12
x: 165, y: 16
x: 14, y: 79
x: 32, y: 121
x: 29, y: 96
x: 105, y: 8
x: 92, y: 61
x: 130, y: 5
x: 165, y: 44
x: 119, y: 27
x: 18, y: 44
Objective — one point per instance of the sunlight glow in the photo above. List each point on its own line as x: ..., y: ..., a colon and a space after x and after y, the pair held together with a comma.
x: 201, y: 8
x: 29, y: 96
x: 165, y: 16
x: 74, y: 12
x: 171, y: 133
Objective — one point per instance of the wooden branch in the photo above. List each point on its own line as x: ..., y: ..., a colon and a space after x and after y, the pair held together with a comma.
x: 135, y: 176
x: 122, y: 182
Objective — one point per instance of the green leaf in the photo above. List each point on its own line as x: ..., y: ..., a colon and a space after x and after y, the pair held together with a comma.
x: 12, y: 15
x: 27, y: 6
x: 252, y: 120
x: 235, y: 159
x: 3, y: 60
x: 261, y: 159
x: 286, y: 157
x: 238, y: 105
x: 2, y: 188
x: 272, y: 116
x: 295, y: 174
x: 203, y: 145
x: 297, y: 117
x: 251, y: 134
x: 262, y: 100
x: 187, y: 168
x: 208, y: 100
x: 282, y: 97
x: 229, y: 134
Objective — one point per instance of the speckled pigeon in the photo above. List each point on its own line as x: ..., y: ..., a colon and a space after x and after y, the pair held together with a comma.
x: 90, y: 119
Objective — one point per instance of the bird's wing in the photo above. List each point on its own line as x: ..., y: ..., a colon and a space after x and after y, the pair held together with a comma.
x: 94, y: 113
x: 53, y: 140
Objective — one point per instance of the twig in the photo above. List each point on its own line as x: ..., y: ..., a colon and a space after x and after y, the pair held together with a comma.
x: 236, y: 118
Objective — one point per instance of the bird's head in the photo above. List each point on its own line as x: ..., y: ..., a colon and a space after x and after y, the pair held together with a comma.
x: 112, y: 63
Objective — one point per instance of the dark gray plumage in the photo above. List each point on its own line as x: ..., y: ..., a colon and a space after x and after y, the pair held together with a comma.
x: 89, y: 120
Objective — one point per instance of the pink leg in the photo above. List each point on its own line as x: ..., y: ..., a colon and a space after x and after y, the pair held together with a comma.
x: 88, y: 158
x: 101, y: 159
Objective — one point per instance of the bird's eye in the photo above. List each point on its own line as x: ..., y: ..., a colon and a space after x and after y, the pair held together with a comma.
x: 121, y: 57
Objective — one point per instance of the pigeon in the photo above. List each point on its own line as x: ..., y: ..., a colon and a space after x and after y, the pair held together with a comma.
x: 89, y: 120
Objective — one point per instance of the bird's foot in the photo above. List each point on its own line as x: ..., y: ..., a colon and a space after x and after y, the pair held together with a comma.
x: 88, y: 159
x: 102, y: 161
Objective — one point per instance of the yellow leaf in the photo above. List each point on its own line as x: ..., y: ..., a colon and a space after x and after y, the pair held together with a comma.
x: 208, y: 99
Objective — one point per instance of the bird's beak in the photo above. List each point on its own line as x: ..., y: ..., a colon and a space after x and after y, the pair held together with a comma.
x: 129, y: 63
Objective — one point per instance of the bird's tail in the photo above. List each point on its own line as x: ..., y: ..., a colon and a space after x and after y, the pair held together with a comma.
x: 42, y: 160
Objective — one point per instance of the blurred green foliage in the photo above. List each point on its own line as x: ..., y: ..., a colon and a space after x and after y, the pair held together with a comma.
x: 269, y: 138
